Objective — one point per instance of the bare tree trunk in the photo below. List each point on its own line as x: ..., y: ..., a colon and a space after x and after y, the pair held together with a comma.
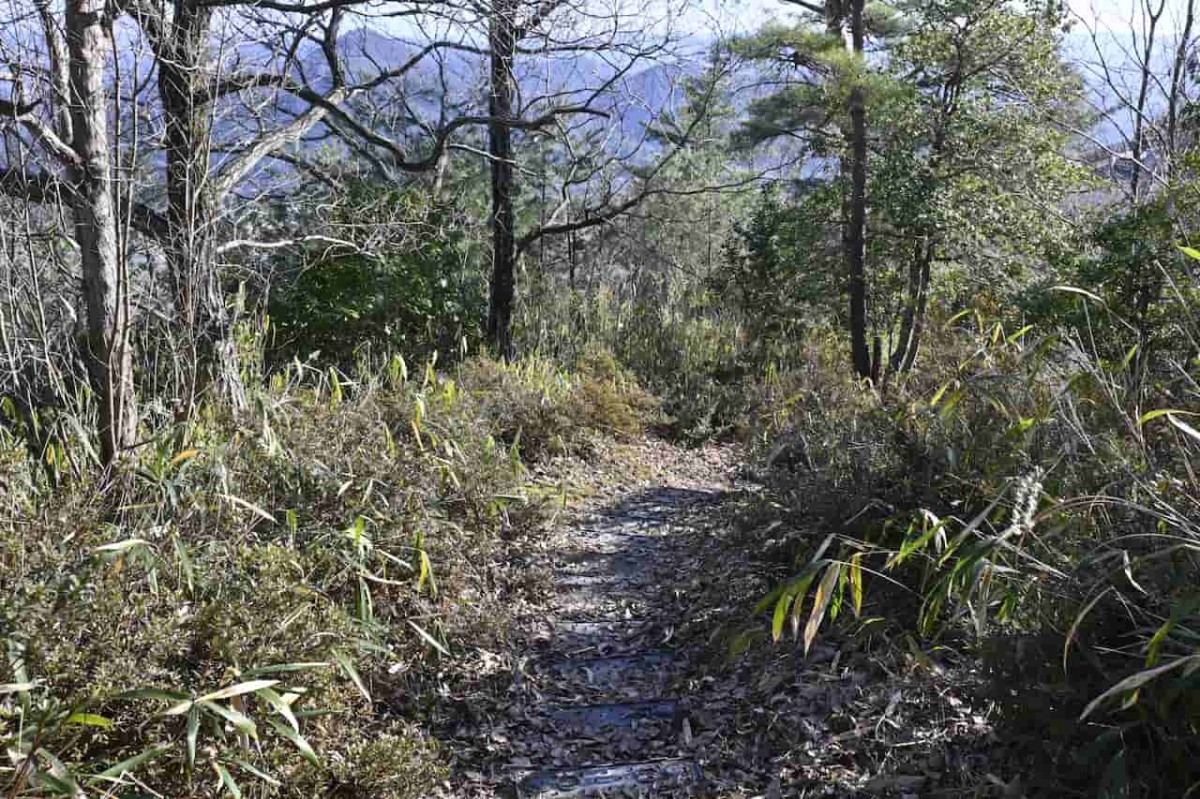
x: 191, y: 208
x: 1145, y: 277
x: 1178, y: 74
x: 502, y: 41
x: 1139, y: 119
x: 913, y: 323
x: 571, y: 261
x: 105, y: 291
x: 905, y: 340
x: 854, y: 239
x: 60, y: 78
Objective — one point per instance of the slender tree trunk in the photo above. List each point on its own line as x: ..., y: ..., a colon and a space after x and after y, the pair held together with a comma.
x: 913, y: 323
x: 571, y: 261
x: 1144, y: 272
x: 502, y: 42
x: 60, y: 59
x: 905, y: 341
x: 854, y: 238
x: 1139, y: 110
x: 191, y: 209
x: 107, y: 341
x: 1179, y: 69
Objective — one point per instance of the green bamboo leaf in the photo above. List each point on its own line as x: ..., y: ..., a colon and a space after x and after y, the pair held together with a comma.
x: 795, y: 592
x: 153, y: 693
x: 821, y: 602
x: 959, y: 315
x: 1012, y: 339
x: 131, y: 764
x: 1079, y: 291
x: 123, y: 546
x: 429, y: 639
x: 285, y: 668
x: 239, y: 720
x: 781, y: 610
x: 257, y: 772
x: 1156, y: 641
x: 856, y: 583
x: 426, y: 574
x: 281, y: 706
x: 228, y: 781
x: 951, y: 403
x: 250, y: 506
x: 937, y: 397
x: 193, y: 733
x: 1137, y: 681
x: 770, y: 598
x: 238, y: 690
x: 89, y: 720
x: 306, y: 751
x: 347, y: 665
x: 1152, y: 415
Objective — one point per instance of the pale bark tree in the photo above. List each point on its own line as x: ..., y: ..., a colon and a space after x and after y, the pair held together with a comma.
x: 108, y: 351
x: 76, y: 140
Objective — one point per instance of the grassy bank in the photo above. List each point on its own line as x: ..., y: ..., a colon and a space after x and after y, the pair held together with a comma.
x: 260, y: 602
x: 1021, y: 504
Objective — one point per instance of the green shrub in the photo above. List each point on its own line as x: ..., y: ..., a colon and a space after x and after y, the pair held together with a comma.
x: 411, y: 285
x: 317, y: 541
x: 542, y: 409
x: 1034, y: 512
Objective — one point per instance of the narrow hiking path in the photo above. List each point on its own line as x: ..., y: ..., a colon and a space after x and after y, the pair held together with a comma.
x: 596, y: 703
x: 608, y: 715
x: 619, y: 677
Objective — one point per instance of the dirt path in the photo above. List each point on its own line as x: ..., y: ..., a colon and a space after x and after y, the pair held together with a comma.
x: 619, y: 678
x: 595, y: 705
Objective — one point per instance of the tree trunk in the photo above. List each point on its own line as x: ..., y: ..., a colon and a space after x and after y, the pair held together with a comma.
x: 854, y: 239
x: 912, y: 325
x: 1147, y: 74
x: 571, y: 261
x: 191, y: 212
x: 502, y: 42
x: 105, y: 289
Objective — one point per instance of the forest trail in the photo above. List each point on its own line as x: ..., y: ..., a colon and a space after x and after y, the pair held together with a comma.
x: 617, y: 677
x: 596, y: 704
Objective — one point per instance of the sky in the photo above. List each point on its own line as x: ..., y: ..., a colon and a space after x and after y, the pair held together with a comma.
x: 1109, y: 15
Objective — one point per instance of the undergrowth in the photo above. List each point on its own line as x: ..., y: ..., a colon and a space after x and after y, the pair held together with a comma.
x: 1019, y: 499
x: 249, y: 604
x: 1026, y: 496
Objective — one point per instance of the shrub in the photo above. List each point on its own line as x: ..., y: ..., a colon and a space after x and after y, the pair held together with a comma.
x: 1033, y: 510
x: 230, y: 608
x: 409, y: 285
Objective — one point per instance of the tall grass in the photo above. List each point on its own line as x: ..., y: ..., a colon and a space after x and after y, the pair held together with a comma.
x: 1038, y: 499
x: 679, y: 341
x: 245, y: 607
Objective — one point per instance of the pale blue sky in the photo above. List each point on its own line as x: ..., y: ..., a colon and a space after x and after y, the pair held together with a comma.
x: 1111, y: 15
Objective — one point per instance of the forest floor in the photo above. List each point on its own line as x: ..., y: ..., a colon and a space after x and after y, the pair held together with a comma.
x: 639, y: 668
